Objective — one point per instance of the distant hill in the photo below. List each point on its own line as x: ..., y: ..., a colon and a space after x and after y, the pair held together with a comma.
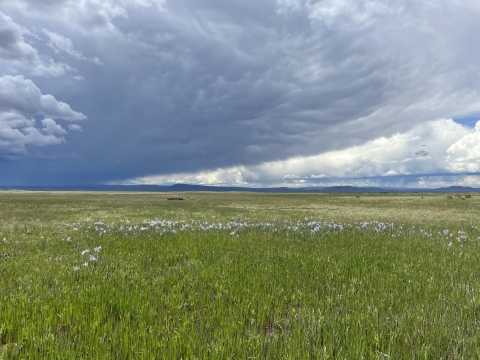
x: 350, y: 189
x: 188, y: 188
x: 455, y: 189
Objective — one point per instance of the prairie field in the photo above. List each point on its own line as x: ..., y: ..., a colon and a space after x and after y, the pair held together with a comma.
x: 239, y: 276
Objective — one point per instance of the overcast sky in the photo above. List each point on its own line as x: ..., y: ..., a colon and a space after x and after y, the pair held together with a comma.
x: 240, y: 92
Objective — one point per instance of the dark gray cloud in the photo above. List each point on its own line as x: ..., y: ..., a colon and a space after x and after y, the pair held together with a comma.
x: 191, y: 86
x: 421, y: 153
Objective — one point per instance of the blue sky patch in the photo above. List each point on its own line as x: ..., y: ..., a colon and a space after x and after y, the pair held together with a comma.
x: 469, y: 120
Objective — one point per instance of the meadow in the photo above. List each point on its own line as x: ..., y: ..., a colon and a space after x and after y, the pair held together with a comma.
x: 239, y: 276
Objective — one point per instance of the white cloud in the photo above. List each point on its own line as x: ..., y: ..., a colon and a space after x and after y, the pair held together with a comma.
x: 401, y: 154
x: 321, y: 176
x: 85, y: 15
x: 20, y: 98
x: 227, y: 176
x: 75, y: 127
x: 61, y: 43
x: 434, y: 147
x: 15, y: 52
x: 50, y: 127
x: 283, y: 6
x: 345, y: 12
x: 291, y: 177
x: 464, y: 155
x: 78, y: 78
x: 17, y: 131
x: 23, y: 96
x: 146, y: 3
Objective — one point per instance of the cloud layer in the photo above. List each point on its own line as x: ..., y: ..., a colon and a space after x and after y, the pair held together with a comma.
x: 267, y: 90
x: 435, y: 148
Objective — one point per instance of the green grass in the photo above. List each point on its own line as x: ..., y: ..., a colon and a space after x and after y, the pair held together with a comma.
x: 269, y: 286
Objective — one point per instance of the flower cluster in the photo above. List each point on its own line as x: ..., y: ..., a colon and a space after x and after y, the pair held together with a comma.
x: 306, y: 226
x: 90, y: 258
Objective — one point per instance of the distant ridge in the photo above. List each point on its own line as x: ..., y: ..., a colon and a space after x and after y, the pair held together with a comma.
x: 189, y: 187
x: 349, y: 189
x: 455, y: 189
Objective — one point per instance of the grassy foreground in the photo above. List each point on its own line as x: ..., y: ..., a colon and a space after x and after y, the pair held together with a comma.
x: 244, y: 276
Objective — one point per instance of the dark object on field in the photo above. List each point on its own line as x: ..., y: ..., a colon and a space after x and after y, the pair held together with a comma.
x: 174, y: 198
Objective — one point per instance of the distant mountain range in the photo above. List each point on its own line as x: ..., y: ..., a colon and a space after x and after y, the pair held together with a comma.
x: 187, y: 187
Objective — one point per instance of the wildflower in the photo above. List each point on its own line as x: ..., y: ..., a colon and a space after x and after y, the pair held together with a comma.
x: 93, y: 258
x: 450, y: 244
x: 69, y: 239
x: 4, y: 239
x: 85, y: 251
x: 232, y: 233
x: 76, y: 268
x: 85, y: 263
x: 97, y: 249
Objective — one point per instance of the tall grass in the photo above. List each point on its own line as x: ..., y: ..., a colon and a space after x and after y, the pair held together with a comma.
x: 223, y: 283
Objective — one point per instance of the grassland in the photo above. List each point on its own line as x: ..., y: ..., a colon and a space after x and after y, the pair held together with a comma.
x: 243, y: 276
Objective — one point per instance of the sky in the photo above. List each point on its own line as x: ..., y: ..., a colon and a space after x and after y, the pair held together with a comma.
x: 256, y: 93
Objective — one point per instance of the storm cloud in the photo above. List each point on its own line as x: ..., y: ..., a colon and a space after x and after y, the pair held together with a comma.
x: 188, y: 87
